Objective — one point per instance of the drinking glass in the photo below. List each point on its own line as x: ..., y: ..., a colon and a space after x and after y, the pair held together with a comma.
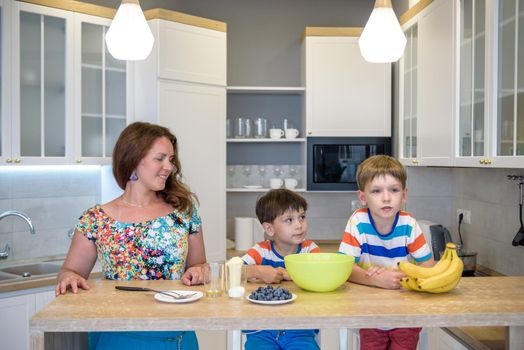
x: 231, y: 173
x: 214, y: 279
x: 243, y: 128
x: 229, y: 133
x: 262, y: 172
x: 260, y: 128
x: 246, y: 170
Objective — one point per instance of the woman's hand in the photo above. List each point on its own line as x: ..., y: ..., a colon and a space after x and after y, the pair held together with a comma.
x: 66, y: 279
x: 193, y: 275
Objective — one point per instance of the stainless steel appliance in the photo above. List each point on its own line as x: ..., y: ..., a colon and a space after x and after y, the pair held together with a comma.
x: 437, y: 236
x: 332, y: 162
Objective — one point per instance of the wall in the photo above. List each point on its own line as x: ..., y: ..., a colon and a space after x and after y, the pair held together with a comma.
x: 436, y: 193
x: 53, y: 197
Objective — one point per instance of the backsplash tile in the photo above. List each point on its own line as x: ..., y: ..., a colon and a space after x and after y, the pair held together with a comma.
x: 54, y: 198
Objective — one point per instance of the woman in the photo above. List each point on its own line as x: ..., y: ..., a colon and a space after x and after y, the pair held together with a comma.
x: 152, y: 231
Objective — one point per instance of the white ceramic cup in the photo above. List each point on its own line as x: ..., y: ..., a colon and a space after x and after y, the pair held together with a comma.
x: 290, y: 183
x: 291, y: 133
x: 276, y: 133
x: 275, y: 183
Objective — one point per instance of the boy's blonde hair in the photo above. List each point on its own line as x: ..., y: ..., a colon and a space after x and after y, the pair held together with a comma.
x: 277, y: 202
x: 380, y: 165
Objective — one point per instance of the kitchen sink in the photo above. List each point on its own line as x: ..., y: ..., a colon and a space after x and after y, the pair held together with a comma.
x: 6, y: 277
x: 31, y: 269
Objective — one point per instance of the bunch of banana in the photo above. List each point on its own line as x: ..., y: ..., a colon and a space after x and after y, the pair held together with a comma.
x: 442, y: 277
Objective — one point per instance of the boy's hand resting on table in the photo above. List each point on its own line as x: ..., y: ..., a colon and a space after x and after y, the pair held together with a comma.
x: 377, y: 276
x: 268, y: 274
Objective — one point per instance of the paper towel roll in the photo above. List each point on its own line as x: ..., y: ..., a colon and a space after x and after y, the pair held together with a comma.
x: 258, y: 231
x: 243, y: 233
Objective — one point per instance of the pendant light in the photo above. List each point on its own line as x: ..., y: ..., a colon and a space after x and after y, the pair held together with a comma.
x: 382, y: 39
x: 129, y: 36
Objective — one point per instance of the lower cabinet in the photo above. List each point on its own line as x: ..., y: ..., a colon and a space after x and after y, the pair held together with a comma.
x: 440, y: 339
x: 15, y: 313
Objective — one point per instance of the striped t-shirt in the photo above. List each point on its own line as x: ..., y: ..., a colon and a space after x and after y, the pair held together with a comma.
x: 370, y: 248
x: 264, y: 253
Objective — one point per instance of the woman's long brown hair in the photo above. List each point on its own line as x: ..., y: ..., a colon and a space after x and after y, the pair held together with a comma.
x: 132, y: 146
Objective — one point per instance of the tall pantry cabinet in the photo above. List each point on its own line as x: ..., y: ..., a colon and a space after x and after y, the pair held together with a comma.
x: 182, y: 85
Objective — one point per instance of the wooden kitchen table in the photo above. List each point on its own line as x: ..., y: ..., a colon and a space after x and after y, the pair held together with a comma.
x: 477, y: 301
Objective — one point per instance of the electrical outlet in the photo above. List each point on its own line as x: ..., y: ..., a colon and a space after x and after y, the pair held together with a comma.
x: 467, y: 215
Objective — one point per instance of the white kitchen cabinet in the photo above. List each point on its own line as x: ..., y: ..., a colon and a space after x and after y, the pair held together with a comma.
x: 15, y: 313
x: 427, y: 88
x: 345, y: 95
x: 189, y: 53
x: 408, y: 146
x: 491, y: 113
x: 41, y: 72
x: 101, y: 92
x: 196, y: 113
x: 440, y: 339
x: 5, y: 80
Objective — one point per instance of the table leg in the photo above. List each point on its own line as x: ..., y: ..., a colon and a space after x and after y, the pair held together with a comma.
x: 37, y: 340
x: 514, y: 337
x: 234, y: 340
x: 343, y: 339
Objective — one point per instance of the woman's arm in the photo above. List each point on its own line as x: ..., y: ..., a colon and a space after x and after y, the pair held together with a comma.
x: 79, y: 262
x: 196, y: 256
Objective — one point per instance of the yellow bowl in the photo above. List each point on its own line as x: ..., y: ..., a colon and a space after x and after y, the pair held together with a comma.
x: 319, y: 272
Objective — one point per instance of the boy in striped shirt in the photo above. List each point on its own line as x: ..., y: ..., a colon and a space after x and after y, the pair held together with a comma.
x: 379, y: 237
x: 282, y: 214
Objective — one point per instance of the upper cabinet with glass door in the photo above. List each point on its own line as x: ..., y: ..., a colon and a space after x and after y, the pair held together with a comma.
x: 491, y: 82
x: 471, y: 124
x: 408, y: 109
x: 101, y: 103
x: 42, y: 73
x: 508, y: 129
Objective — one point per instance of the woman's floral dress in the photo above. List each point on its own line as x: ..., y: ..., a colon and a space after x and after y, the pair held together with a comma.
x: 150, y: 250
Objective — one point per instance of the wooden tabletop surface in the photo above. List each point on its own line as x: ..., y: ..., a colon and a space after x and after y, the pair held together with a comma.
x: 477, y: 301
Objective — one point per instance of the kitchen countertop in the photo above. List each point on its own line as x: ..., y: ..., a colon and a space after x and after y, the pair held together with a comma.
x: 476, y: 302
x: 24, y: 283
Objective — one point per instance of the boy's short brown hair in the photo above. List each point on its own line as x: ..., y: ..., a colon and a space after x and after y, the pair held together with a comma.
x: 276, y: 202
x: 380, y: 165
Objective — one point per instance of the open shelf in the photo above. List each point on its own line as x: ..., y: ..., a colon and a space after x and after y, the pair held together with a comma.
x: 275, y: 90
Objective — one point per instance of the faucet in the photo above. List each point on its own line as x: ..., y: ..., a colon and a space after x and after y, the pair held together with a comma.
x: 5, y: 253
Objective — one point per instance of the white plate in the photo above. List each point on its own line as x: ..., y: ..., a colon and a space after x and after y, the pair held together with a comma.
x: 252, y: 187
x: 168, y: 299
x: 273, y: 302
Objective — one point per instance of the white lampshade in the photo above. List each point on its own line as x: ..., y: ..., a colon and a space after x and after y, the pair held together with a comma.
x: 382, y: 40
x: 129, y: 36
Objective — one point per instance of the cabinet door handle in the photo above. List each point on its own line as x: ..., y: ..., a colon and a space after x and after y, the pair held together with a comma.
x: 8, y: 160
x: 482, y: 161
x: 309, y: 133
x: 414, y: 161
x: 17, y: 160
x: 78, y: 161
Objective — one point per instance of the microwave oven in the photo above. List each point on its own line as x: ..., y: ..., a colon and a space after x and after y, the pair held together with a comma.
x: 332, y: 162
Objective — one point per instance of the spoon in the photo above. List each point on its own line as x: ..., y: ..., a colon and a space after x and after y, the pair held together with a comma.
x: 172, y: 294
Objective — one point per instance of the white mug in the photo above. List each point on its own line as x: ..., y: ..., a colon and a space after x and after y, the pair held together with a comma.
x: 290, y: 183
x: 275, y: 183
x: 291, y: 133
x: 276, y: 133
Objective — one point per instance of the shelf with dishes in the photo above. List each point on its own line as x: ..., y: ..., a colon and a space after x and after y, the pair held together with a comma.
x: 264, y: 140
x: 251, y: 189
x: 263, y: 177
